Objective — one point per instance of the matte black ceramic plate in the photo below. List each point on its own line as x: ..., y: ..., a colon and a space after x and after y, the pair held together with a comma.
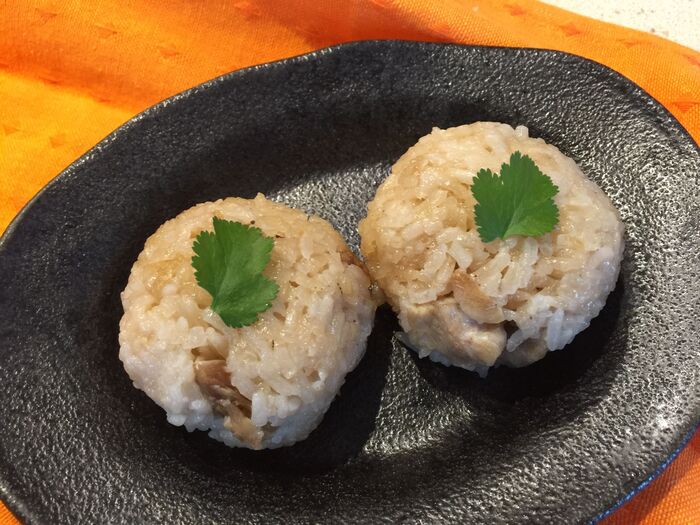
x: 560, y: 441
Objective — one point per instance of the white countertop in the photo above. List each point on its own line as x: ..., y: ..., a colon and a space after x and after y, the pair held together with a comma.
x: 677, y: 20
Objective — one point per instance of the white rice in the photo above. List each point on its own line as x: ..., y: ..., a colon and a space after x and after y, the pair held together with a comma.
x: 265, y: 385
x: 475, y: 304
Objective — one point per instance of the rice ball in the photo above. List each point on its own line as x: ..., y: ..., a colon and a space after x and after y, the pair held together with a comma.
x: 261, y: 386
x: 472, y: 304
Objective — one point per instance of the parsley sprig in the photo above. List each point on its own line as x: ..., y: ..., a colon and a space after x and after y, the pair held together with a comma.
x: 228, y: 264
x: 519, y: 201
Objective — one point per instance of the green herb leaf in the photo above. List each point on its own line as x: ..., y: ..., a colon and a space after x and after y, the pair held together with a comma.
x: 519, y: 201
x: 228, y: 264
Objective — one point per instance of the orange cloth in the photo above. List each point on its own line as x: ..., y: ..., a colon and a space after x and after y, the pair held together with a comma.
x: 71, y: 71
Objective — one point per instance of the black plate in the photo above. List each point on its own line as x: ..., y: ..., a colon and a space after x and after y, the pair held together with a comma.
x: 562, y: 440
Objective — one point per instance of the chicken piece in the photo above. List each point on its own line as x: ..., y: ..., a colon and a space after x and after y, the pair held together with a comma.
x: 528, y: 352
x: 215, y: 383
x: 442, y: 326
x: 474, y: 302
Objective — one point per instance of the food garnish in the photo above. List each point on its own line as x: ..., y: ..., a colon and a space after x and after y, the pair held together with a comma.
x: 228, y: 264
x: 519, y: 201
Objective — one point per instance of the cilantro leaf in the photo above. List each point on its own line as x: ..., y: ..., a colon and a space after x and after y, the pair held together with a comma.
x: 228, y: 264
x: 519, y: 201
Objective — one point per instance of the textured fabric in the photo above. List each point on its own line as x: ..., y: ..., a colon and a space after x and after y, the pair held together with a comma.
x: 71, y: 71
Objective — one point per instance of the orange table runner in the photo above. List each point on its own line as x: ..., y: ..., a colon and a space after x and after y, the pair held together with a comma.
x: 72, y: 71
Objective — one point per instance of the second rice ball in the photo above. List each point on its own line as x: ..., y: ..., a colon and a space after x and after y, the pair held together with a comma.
x: 472, y: 304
